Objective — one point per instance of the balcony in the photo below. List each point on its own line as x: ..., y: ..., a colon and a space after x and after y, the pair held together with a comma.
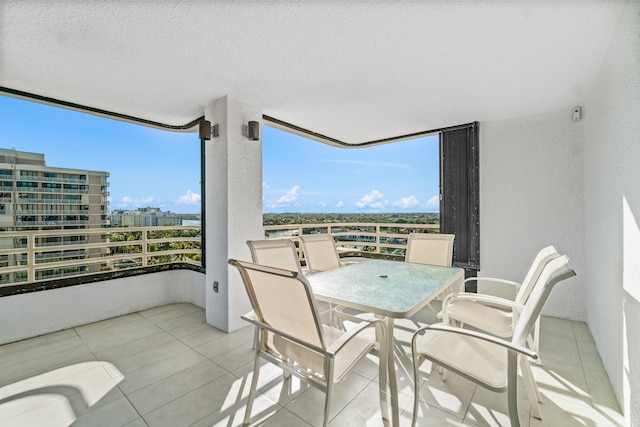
x: 165, y: 366
x: 35, y: 257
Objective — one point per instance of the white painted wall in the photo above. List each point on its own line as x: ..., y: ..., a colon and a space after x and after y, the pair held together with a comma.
x: 234, y: 208
x: 37, y: 313
x: 612, y: 205
x: 531, y: 196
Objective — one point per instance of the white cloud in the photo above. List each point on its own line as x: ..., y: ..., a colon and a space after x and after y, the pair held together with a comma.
x: 406, y: 202
x: 340, y: 204
x: 434, y: 202
x: 372, y: 200
x: 290, y: 198
x: 130, y: 203
x: 190, y: 198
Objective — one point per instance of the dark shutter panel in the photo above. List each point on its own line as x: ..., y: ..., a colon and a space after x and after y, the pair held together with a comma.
x: 460, y: 194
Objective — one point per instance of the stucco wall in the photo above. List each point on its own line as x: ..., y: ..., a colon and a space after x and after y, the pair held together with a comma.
x: 234, y: 208
x: 612, y: 205
x: 37, y: 313
x: 531, y: 196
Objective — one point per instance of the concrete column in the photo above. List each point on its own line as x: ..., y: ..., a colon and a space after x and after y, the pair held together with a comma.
x: 233, y: 198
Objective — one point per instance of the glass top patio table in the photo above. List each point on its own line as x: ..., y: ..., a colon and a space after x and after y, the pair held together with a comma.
x: 394, y: 289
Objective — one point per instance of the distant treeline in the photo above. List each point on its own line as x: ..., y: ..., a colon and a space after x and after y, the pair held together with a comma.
x: 323, y: 218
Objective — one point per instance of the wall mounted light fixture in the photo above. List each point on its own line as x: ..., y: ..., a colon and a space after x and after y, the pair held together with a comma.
x: 204, y: 130
x: 253, y: 131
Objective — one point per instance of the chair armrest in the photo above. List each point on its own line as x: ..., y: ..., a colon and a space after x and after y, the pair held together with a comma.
x: 489, y: 300
x: 501, y: 284
x: 478, y: 335
x: 352, y: 333
x: 481, y: 298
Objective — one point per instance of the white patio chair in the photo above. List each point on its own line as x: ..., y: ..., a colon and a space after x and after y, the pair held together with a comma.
x: 492, y: 314
x: 293, y: 338
x: 320, y: 252
x: 280, y: 253
x: 485, y: 359
x: 430, y: 248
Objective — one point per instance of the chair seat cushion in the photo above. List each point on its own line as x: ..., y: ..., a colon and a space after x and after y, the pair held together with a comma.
x: 487, y: 318
x: 475, y: 359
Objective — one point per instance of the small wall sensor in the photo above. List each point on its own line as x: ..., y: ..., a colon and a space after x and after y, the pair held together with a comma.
x: 576, y: 114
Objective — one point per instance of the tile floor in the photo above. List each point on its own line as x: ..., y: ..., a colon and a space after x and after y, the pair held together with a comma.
x: 167, y: 367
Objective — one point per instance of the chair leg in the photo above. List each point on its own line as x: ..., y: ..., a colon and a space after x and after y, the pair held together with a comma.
x: 417, y: 360
x: 255, y: 338
x: 252, y: 390
x: 416, y: 387
x: 535, y: 340
x: 327, y: 400
x: 528, y: 375
x: 531, y: 387
x: 512, y: 387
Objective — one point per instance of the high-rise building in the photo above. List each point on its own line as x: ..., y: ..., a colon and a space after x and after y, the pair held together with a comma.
x: 36, y: 197
x: 145, y: 217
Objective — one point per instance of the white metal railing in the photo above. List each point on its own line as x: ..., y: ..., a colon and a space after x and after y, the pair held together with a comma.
x: 49, y: 190
x: 389, y: 238
x: 50, y: 179
x: 34, y: 256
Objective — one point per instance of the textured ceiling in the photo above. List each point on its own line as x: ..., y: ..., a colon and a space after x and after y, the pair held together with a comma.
x: 355, y: 71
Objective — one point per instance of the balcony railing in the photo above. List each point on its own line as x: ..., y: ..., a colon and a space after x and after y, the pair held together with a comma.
x: 35, y: 256
x: 382, y: 238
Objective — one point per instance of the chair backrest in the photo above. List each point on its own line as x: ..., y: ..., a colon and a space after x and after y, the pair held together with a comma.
x: 430, y: 248
x: 552, y: 273
x: 542, y: 258
x: 283, y: 300
x: 320, y: 252
x: 280, y: 253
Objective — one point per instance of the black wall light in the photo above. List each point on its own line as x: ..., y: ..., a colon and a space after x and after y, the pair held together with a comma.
x: 204, y: 130
x: 253, y: 131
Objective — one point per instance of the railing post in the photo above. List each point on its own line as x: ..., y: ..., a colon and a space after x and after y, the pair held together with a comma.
x: 144, y: 246
x: 31, y: 257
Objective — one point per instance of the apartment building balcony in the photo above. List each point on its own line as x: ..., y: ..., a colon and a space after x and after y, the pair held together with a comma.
x: 32, y: 201
x: 57, y: 179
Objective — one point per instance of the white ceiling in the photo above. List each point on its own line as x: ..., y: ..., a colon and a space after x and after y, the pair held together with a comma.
x: 352, y: 70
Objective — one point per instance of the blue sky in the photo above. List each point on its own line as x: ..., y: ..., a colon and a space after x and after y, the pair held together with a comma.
x: 300, y: 175
x: 147, y: 167
x: 156, y: 168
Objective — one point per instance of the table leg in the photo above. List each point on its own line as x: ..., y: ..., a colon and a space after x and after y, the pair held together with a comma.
x: 392, y: 379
